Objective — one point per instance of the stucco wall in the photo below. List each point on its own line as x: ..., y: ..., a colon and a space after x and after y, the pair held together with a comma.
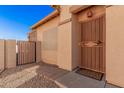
x: 69, y: 35
x: 48, y: 33
x: 10, y: 53
x: 65, y: 12
x: 115, y: 45
x: 33, y: 36
x: 38, y: 51
x: 64, y: 46
x: 64, y: 40
x: 2, y: 60
x: 76, y: 38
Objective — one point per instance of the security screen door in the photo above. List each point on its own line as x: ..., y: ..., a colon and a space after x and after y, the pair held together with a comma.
x: 93, y: 44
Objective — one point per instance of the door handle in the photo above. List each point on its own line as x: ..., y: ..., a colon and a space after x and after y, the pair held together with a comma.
x: 89, y: 43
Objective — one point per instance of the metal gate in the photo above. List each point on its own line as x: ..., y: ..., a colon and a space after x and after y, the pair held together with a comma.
x: 26, y: 52
x: 92, y: 44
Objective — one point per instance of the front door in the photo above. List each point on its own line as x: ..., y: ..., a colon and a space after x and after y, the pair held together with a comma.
x: 92, y: 44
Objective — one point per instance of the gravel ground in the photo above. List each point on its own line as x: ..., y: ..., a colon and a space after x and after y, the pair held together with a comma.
x: 25, y: 76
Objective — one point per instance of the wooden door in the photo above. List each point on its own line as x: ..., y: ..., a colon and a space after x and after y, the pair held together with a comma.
x: 26, y: 52
x: 93, y: 44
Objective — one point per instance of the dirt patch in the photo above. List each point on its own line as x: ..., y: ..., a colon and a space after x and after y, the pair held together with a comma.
x: 25, y: 76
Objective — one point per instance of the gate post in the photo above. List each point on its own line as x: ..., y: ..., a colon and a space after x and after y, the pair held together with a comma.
x: 2, y: 55
x: 38, y: 51
x: 10, y: 54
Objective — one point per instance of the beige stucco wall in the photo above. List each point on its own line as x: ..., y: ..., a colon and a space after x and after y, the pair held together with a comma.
x: 64, y: 46
x: 38, y: 51
x: 32, y: 36
x: 2, y: 60
x: 48, y: 33
x: 64, y: 40
x: 76, y: 38
x: 115, y: 45
x: 69, y: 35
x: 65, y: 12
x: 10, y: 53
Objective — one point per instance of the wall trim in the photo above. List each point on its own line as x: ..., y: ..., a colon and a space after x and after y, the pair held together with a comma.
x: 77, y: 8
x: 108, y: 6
x: 65, y: 21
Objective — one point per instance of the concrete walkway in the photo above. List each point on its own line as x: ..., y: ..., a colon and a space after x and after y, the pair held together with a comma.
x: 41, y: 75
x: 74, y: 80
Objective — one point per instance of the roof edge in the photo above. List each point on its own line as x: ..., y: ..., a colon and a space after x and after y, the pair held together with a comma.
x: 77, y: 8
x: 46, y: 19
